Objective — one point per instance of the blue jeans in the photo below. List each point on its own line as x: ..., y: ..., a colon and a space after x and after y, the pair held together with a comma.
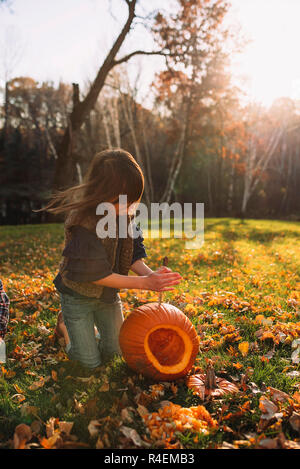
x: 80, y: 316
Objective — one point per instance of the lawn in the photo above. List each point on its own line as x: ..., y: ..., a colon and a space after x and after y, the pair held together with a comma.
x: 240, y: 290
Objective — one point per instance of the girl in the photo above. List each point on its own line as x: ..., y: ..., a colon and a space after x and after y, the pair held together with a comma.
x: 94, y: 268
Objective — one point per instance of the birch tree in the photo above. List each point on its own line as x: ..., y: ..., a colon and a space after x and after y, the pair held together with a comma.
x: 196, y: 33
x: 258, y: 155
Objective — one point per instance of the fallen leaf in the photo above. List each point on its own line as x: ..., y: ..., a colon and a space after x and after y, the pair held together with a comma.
x: 18, y: 389
x: 27, y: 410
x: 126, y: 415
x: 37, y: 384
x: 18, y: 397
x: 78, y: 406
x: 93, y: 427
x: 132, y: 435
x: 226, y: 445
x: 50, y: 426
x: 22, y: 435
x: 36, y: 427
x: 65, y: 427
x: 238, y: 366
x: 43, y: 330
x: 254, y: 388
x: 244, y: 348
x: 99, y: 444
x: 124, y: 399
x: 278, y: 395
x: 296, y: 343
x: 104, y: 387
x: 296, y: 396
x: 53, y: 441
x: 267, y: 407
x: 269, y: 355
x: 142, y: 410
x: 165, y: 403
x: 268, y: 443
x: 293, y: 374
x: 9, y: 374
x: 267, y: 335
x: 296, y: 356
x: 295, y: 421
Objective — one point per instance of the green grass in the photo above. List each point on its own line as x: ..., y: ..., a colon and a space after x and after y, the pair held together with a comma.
x: 243, y: 270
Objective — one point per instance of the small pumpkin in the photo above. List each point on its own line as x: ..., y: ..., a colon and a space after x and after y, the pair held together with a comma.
x: 159, y: 341
x: 209, y: 385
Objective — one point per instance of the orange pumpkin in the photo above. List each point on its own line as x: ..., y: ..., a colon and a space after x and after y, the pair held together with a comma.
x: 159, y: 341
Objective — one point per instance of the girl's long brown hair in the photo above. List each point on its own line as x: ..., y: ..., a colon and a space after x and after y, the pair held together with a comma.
x: 111, y: 173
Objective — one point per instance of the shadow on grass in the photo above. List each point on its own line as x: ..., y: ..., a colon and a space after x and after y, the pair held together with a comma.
x: 265, y: 237
x: 235, y: 229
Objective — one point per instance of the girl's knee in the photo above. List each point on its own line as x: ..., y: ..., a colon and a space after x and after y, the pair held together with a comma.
x: 86, y: 360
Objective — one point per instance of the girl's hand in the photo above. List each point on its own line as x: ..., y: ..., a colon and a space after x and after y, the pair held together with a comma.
x: 163, y: 269
x: 161, y: 280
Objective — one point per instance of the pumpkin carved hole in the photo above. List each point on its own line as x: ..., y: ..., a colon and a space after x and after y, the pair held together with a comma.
x: 167, y: 346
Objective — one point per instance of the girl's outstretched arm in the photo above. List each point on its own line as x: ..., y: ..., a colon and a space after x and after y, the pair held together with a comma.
x: 140, y: 268
x: 156, y: 281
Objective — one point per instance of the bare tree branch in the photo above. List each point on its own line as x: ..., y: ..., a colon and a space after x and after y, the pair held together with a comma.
x: 79, y: 112
x: 140, y: 52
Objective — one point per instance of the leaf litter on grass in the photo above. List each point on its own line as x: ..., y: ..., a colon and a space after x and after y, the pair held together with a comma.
x: 245, y: 307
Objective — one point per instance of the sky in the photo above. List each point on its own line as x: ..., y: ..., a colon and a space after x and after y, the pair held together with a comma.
x: 53, y: 40
x: 270, y: 62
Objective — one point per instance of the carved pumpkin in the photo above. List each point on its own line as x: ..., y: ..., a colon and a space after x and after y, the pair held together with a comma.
x: 159, y: 341
x: 209, y: 385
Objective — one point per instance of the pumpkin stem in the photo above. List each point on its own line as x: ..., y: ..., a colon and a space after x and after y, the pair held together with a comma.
x: 210, y: 378
x: 165, y: 263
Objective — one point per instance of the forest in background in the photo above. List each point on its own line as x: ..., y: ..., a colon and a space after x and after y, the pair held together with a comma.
x: 197, y: 142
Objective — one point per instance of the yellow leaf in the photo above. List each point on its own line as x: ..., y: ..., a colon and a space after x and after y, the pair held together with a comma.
x: 49, y: 443
x: 238, y: 366
x: 244, y: 348
x: 259, y: 318
x: 267, y: 335
x: 18, y: 389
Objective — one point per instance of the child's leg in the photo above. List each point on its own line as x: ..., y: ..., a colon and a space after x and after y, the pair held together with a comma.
x: 109, y: 319
x: 78, y: 316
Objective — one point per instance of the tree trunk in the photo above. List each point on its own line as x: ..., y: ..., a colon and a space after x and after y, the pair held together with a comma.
x: 181, y: 148
x: 230, y: 190
x: 130, y: 121
x: 209, y: 191
x: 147, y: 158
x: 106, y: 129
x: 176, y: 166
x: 64, y: 163
x: 255, y: 166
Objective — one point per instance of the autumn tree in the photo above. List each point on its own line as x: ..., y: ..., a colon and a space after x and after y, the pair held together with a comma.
x: 283, y: 169
x: 35, y: 117
x: 263, y: 136
x: 195, y: 78
x: 82, y: 108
